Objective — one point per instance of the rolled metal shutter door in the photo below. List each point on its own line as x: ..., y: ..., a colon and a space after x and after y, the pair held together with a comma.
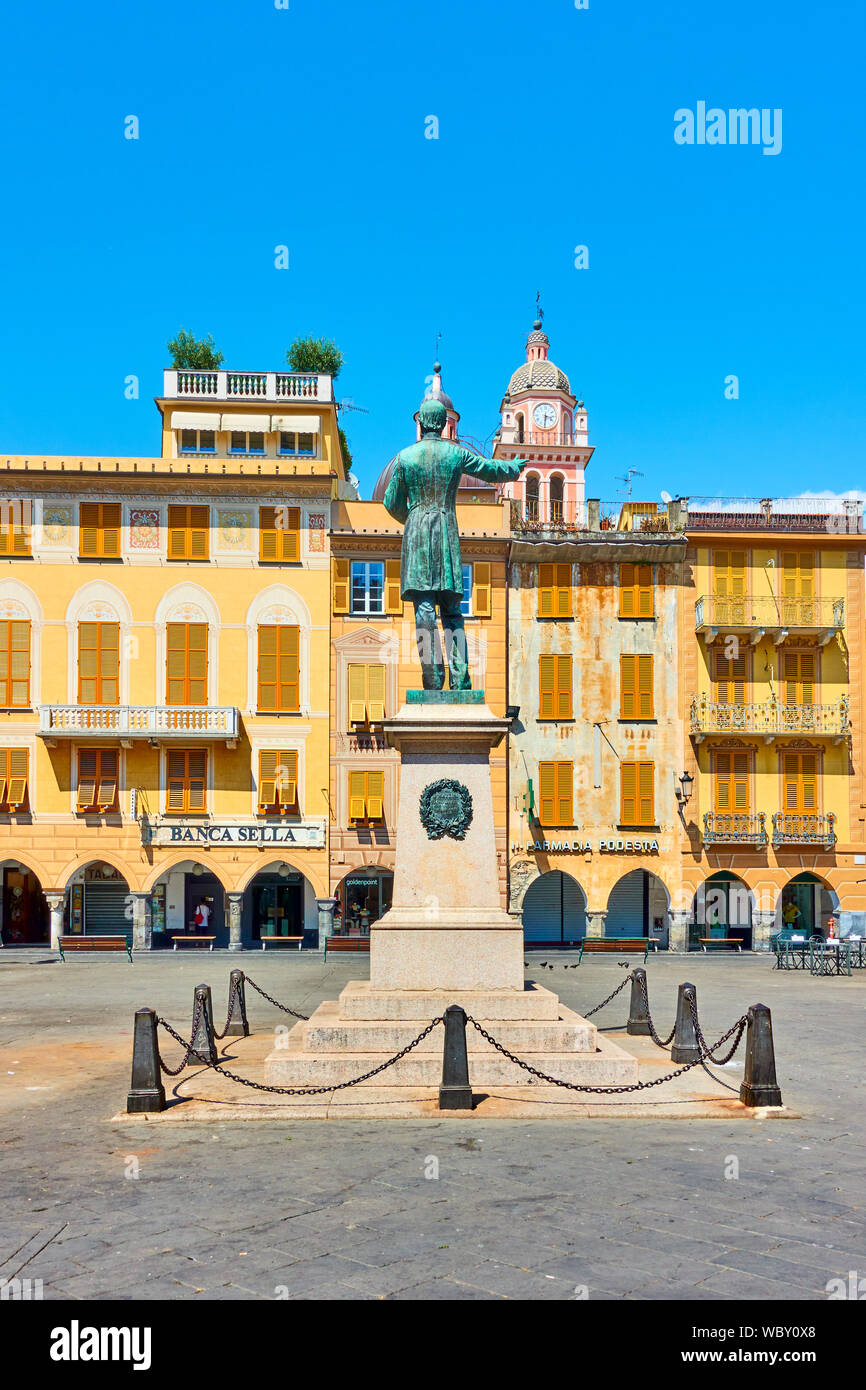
x: 105, y: 907
x: 625, y: 907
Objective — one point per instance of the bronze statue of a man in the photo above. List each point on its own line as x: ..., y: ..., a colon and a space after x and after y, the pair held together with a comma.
x: 422, y: 494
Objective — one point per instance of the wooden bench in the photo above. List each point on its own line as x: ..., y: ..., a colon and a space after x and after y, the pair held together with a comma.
x: 185, y: 940
x: 631, y: 945
x: 267, y: 940
x: 720, y: 941
x: 94, y: 943
x: 359, y: 944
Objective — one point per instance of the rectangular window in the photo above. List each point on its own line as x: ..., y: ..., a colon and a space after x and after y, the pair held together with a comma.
x: 368, y: 586
x: 247, y: 442
x: 555, y: 783
x: 729, y: 586
x: 730, y: 679
x: 188, y: 533
x: 16, y: 521
x: 800, y: 783
x: 732, y: 784
x: 298, y: 444
x: 636, y: 793
x: 366, y: 797
x: 97, y: 779
x: 798, y: 671
x: 99, y: 530
x: 280, y: 534
x: 14, y: 664
x: 197, y: 442
x: 366, y: 694
x: 186, y: 780
x: 636, y: 591
x: 554, y: 591
x: 186, y: 664
x: 554, y: 687
x: 636, y: 687
x: 466, y: 601
x: 98, y: 663
x: 278, y: 781
x: 13, y: 779
x: 279, y: 674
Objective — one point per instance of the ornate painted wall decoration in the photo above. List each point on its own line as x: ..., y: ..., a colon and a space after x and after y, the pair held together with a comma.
x: 234, y: 529
x: 187, y: 613
x: 144, y: 528
x: 11, y: 609
x: 56, y: 525
x: 317, y: 533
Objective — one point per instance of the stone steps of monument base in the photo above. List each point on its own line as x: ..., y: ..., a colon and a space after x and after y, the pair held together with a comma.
x: 327, y: 1031
x: 609, y: 1066
x: 359, y: 1000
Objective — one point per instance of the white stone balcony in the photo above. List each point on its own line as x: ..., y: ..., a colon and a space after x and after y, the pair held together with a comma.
x: 129, y: 722
x: 770, y: 720
x: 279, y: 387
x: 715, y: 615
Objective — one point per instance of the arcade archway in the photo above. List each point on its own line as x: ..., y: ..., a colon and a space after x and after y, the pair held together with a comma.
x: 639, y: 905
x: 554, y: 910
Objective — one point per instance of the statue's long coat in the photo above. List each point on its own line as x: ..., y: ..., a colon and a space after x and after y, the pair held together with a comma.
x: 422, y: 493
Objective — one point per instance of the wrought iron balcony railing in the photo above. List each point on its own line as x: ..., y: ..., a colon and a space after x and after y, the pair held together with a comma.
x: 733, y: 829
x: 771, y: 719
x: 804, y: 830
x: 825, y: 615
x: 138, y: 721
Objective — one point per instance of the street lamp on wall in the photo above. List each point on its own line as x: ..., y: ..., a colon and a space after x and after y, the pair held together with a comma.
x: 684, y: 790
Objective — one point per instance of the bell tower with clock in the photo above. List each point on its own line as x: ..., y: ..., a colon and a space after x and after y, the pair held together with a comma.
x: 543, y: 422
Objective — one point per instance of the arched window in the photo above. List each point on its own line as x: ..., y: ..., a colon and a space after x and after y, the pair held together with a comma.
x: 556, y: 498
x: 532, y: 497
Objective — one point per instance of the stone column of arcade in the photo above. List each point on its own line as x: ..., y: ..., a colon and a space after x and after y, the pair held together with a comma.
x: 326, y: 917
x: 142, y: 922
x: 55, y: 903
x: 236, y: 903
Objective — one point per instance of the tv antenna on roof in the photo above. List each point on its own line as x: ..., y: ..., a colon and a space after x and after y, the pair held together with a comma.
x: 350, y: 405
x: 627, y: 477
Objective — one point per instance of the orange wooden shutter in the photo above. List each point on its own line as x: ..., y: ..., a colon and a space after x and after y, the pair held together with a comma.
x: 15, y: 664
x: 627, y: 591
x: 376, y: 693
x: 98, y: 663
x: 799, y: 674
x: 188, y: 533
x: 645, y: 606
x: 106, y: 788
x: 197, y: 779
x: 564, y: 796
x: 13, y: 777
x: 88, y: 528
x: 547, y: 793
x: 730, y: 679
x: 287, y: 780
x: 375, y: 795
x: 546, y: 683
x: 176, y: 794
x: 637, y: 787
x: 340, y: 585
x: 393, y: 601
x: 545, y: 591
x: 800, y: 783
x: 290, y: 679
x: 87, y: 776
x: 16, y: 519
x: 646, y: 793
x: 645, y: 687
x: 732, y: 783
x: 357, y: 796
x: 628, y: 793
x: 268, y: 760
x: 357, y: 693
x: 482, y: 590
x: 563, y: 687
x: 627, y: 687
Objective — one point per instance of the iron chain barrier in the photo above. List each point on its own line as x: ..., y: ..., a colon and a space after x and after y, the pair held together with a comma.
x: 604, y: 1090
x: 276, y: 1003
x: 295, y: 1090
x: 233, y: 989
x: 589, y: 1013
x: 187, y: 1047
x: 659, y: 1042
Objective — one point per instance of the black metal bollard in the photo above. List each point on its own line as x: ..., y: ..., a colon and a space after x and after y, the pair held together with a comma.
x: 638, y: 1010
x: 238, y: 1025
x: 685, y: 1047
x: 455, y: 1093
x: 146, y: 1092
x: 203, y: 1045
x: 760, y: 1086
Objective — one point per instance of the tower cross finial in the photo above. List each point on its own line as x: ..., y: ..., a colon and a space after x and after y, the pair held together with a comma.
x: 539, y: 312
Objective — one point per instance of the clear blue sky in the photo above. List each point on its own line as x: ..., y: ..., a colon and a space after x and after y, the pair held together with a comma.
x: 305, y: 126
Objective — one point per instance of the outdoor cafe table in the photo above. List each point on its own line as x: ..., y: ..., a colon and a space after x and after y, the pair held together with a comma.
x: 792, y: 954
x: 830, y: 958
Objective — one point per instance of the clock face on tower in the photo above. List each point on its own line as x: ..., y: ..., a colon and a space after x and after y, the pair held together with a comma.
x: 544, y: 416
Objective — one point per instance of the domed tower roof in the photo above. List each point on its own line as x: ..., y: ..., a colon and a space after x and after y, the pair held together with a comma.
x: 537, y: 372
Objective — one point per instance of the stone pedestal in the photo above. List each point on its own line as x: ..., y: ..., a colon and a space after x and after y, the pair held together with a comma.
x: 236, y: 905
x: 142, y: 922
x: 446, y: 939
x: 446, y: 928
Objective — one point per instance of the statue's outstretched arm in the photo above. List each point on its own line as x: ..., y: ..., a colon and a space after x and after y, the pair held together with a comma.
x: 491, y: 470
x: 396, y: 501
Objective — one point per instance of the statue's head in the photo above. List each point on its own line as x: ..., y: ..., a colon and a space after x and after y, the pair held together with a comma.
x: 432, y: 417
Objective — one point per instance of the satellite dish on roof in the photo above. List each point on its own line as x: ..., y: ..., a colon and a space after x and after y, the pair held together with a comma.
x: 666, y: 497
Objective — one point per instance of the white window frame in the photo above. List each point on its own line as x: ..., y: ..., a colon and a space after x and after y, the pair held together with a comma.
x: 366, y: 611
x: 247, y: 434
x: 199, y: 447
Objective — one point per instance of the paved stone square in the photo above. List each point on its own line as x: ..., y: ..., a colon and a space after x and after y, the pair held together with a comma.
x: 421, y: 1209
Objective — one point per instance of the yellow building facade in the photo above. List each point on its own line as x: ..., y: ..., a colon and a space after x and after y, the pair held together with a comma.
x: 772, y: 695
x: 164, y: 715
